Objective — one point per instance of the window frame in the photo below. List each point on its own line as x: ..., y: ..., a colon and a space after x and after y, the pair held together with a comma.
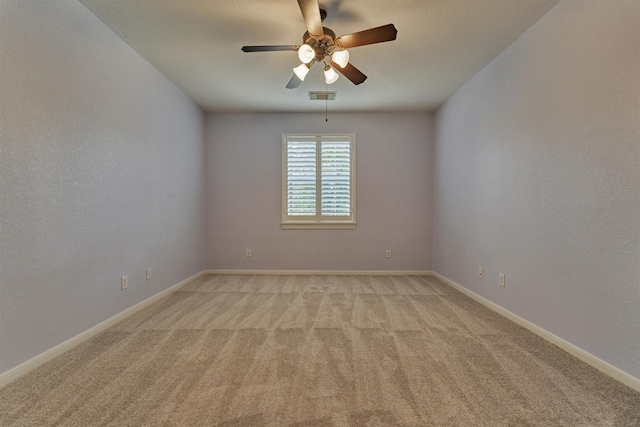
x: 318, y: 221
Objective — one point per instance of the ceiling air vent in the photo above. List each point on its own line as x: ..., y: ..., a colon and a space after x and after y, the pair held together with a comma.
x: 322, y: 96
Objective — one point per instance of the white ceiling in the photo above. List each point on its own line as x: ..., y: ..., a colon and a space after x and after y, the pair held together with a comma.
x: 196, y: 43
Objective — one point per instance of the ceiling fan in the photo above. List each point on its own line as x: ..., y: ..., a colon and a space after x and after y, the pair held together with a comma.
x: 321, y: 45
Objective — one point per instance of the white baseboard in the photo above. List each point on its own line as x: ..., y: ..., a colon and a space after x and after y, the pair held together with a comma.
x: 28, y: 366
x: 602, y: 366
x: 581, y: 354
x: 326, y: 272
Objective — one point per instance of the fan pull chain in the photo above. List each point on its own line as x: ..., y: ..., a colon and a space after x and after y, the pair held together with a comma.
x: 326, y: 104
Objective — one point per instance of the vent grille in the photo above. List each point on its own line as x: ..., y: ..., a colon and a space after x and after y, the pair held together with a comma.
x: 323, y: 96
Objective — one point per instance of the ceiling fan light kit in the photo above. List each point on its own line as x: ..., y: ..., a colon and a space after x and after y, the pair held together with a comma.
x: 301, y: 71
x: 306, y: 53
x: 341, y: 58
x: 321, y: 45
x: 330, y: 75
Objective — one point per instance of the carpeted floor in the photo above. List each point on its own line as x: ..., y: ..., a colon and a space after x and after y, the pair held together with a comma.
x: 317, y: 351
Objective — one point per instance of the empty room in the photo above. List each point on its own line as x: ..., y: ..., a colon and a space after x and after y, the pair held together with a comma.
x: 320, y: 213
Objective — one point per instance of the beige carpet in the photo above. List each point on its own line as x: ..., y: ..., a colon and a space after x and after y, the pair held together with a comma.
x: 317, y: 351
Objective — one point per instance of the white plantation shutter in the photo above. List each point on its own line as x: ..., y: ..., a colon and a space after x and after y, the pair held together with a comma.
x: 336, y: 178
x: 318, y: 185
x: 301, y: 177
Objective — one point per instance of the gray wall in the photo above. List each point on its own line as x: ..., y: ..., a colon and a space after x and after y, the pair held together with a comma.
x: 102, y: 174
x: 537, y: 176
x: 393, y: 181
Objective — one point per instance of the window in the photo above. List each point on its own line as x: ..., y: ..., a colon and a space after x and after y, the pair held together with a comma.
x: 318, y: 181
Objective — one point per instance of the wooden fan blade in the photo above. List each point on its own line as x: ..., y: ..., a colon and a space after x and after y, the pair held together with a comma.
x: 270, y: 48
x: 294, y: 82
x: 311, y: 15
x: 386, y: 33
x: 352, y: 73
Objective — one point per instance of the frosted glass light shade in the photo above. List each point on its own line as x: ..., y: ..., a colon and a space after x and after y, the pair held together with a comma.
x: 301, y: 71
x: 306, y: 53
x: 330, y: 75
x: 341, y: 58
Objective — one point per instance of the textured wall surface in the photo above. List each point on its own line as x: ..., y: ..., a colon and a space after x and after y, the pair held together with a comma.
x: 537, y: 176
x: 102, y: 174
x: 393, y: 194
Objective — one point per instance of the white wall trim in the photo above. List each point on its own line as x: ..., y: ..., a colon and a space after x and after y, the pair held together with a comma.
x: 581, y: 354
x: 31, y: 364
x: 326, y: 272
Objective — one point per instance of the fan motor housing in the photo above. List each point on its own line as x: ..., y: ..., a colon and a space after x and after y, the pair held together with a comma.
x: 323, y: 45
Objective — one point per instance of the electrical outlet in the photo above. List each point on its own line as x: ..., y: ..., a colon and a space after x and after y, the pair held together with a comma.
x: 480, y: 272
x: 501, y: 280
x: 387, y: 253
x: 148, y: 274
x: 247, y: 252
x: 124, y: 282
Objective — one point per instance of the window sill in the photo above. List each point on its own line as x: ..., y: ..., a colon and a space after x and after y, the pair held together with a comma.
x: 318, y: 225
